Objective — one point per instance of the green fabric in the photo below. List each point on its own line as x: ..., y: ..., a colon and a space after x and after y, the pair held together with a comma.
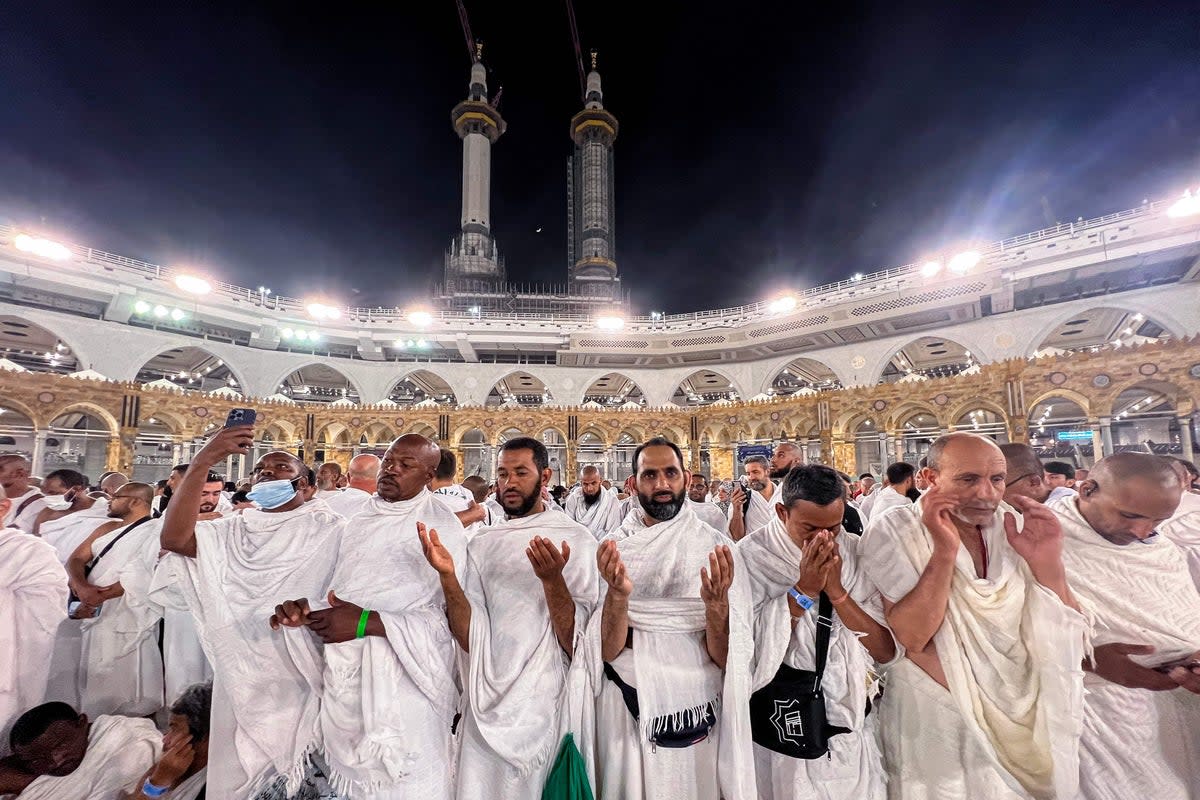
x: 568, y: 778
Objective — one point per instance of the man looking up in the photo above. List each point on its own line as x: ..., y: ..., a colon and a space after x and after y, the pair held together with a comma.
x: 804, y: 551
x: 986, y: 703
x: 697, y: 501
x: 786, y: 456
x: 1143, y: 649
x: 25, y: 499
x: 390, y: 659
x: 361, y: 478
x: 523, y: 606
x: 900, y: 479
x: 120, y: 668
x: 1024, y: 475
x: 674, y: 631
x: 266, y: 685
x: 743, y: 518
x: 593, y: 507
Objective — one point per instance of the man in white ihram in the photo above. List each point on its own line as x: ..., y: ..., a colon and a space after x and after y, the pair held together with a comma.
x: 266, y: 684
x: 987, y: 703
x: 390, y: 661
x: 592, y: 506
x: 1141, y: 710
x: 760, y: 512
x: 520, y: 616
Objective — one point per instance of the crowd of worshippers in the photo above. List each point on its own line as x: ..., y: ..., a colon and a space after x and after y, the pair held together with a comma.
x: 979, y: 625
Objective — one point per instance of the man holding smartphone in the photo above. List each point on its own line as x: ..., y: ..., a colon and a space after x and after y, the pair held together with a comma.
x: 751, y: 506
x: 266, y: 684
x: 1139, y: 720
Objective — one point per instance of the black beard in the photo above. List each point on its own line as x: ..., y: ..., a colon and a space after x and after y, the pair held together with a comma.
x: 206, y: 508
x: 591, y: 499
x: 526, y: 505
x: 662, y: 511
x: 779, y: 474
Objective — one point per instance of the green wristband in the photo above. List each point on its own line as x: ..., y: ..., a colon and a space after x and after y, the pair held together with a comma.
x: 362, y: 623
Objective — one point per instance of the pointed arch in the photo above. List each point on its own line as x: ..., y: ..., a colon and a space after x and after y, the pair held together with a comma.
x: 90, y: 409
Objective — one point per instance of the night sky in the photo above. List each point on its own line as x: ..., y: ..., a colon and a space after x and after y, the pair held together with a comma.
x: 308, y: 147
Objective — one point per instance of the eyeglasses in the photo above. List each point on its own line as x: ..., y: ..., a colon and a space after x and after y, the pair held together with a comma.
x: 1039, y: 479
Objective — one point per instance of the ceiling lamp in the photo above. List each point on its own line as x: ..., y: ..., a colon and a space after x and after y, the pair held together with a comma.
x: 193, y: 284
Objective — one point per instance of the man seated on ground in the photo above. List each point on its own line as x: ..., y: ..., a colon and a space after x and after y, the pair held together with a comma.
x: 181, y: 772
x: 59, y: 754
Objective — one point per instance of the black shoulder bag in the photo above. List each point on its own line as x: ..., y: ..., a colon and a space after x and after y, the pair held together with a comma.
x: 91, y: 565
x: 787, y: 715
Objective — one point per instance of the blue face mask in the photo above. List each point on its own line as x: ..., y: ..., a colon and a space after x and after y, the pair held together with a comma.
x: 272, y: 494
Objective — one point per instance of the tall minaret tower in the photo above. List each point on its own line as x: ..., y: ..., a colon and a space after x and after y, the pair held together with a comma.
x: 592, y: 258
x: 473, y: 255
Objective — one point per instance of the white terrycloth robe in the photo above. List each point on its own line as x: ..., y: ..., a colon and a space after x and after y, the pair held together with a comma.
x: 29, y: 510
x: 120, y: 668
x: 884, y: 501
x: 600, y: 517
x: 65, y: 534
x: 389, y: 702
x: 120, y: 750
x: 1011, y: 651
x: 266, y: 684
x: 672, y: 671
x: 854, y: 767
x: 33, y: 603
x: 1140, y: 593
x: 347, y: 502
x: 709, y: 514
x: 184, y: 660
x: 522, y: 693
x: 759, y: 514
x: 1184, y: 530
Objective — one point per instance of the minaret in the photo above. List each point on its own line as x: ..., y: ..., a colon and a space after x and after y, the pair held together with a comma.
x: 473, y: 255
x: 591, y: 246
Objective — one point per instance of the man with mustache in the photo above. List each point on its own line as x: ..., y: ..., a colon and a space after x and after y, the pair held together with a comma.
x: 744, y: 518
x: 671, y: 648
x: 701, y: 507
x: 987, y: 702
x: 529, y: 589
x: 593, y: 506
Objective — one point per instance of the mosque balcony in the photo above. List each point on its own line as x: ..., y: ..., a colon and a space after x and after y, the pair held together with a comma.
x: 477, y: 116
x: 593, y: 122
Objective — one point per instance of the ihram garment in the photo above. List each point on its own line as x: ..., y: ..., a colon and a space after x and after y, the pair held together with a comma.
x: 120, y: 668
x: 66, y: 533
x: 885, y: 500
x: 184, y: 660
x: 1183, y: 528
x: 29, y: 504
x: 854, y: 766
x: 670, y: 667
x: 600, y: 517
x: 709, y: 514
x: 1140, y: 593
x: 33, y: 603
x: 1008, y: 726
x: 266, y: 684
x: 759, y: 514
x: 389, y: 702
x: 520, y: 686
x: 120, y: 750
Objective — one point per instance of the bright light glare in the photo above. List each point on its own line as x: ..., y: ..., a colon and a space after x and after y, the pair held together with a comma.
x: 610, y: 323
x: 782, y: 304
x: 965, y: 261
x: 322, y: 311
x: 287, y: 333
x: 314, y: 337
x: 301, y: 335
x: 193, y: 284
x: 1186, y: 206
x: 160, y: 311
x: 176, y: 314
x: 931, y: 268
x: 42, y: 247
x: 141, y: 307
x: 420, y: 318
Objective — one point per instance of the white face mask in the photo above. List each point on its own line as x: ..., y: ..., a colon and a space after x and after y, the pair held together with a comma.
x: 57, y: 502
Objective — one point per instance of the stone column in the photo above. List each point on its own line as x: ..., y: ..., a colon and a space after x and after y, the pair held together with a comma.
x: 1097, y: 443
x: 570, y: 467
x: 1185, y: 438
x: 1106, y: 439
x: 38, y: 456
x: 883, y: 450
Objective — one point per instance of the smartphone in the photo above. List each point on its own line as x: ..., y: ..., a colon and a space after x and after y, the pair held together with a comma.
x: 240, y: 416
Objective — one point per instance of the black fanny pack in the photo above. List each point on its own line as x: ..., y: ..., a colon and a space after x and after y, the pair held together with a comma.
x: 787, y: 716
x: 669, y: 735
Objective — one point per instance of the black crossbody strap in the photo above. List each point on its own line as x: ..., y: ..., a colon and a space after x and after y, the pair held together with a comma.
x: 91, y: 565
x: 824, y: 628
x: 26, y: 503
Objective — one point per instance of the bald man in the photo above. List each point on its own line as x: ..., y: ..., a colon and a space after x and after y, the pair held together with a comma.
x: 25, y: 499
x: 390, y: 692
x: 591, y: 506
x: 986, y: 703
x: 1024, y: 474
x: 120, y: 669
x: 1142, y: 692
x: 111, y: 482
x: 266, y: 684
x: 786, y: 456
x: 361, y: 477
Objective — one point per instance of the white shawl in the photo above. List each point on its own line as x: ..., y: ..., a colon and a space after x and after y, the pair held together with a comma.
x: 189, y: 789
x: 120, y: 750
x: 759, y: 514
x: 675, y: 679
x: 1140, y: 593
x: 66, y: 533
x: 1184, y: 529
x: 600, y: 517
x: 1010, y: 649
x: 33, y: 603
x: 371, y: 683
x: 244, y: 566
x: 516, y: 671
